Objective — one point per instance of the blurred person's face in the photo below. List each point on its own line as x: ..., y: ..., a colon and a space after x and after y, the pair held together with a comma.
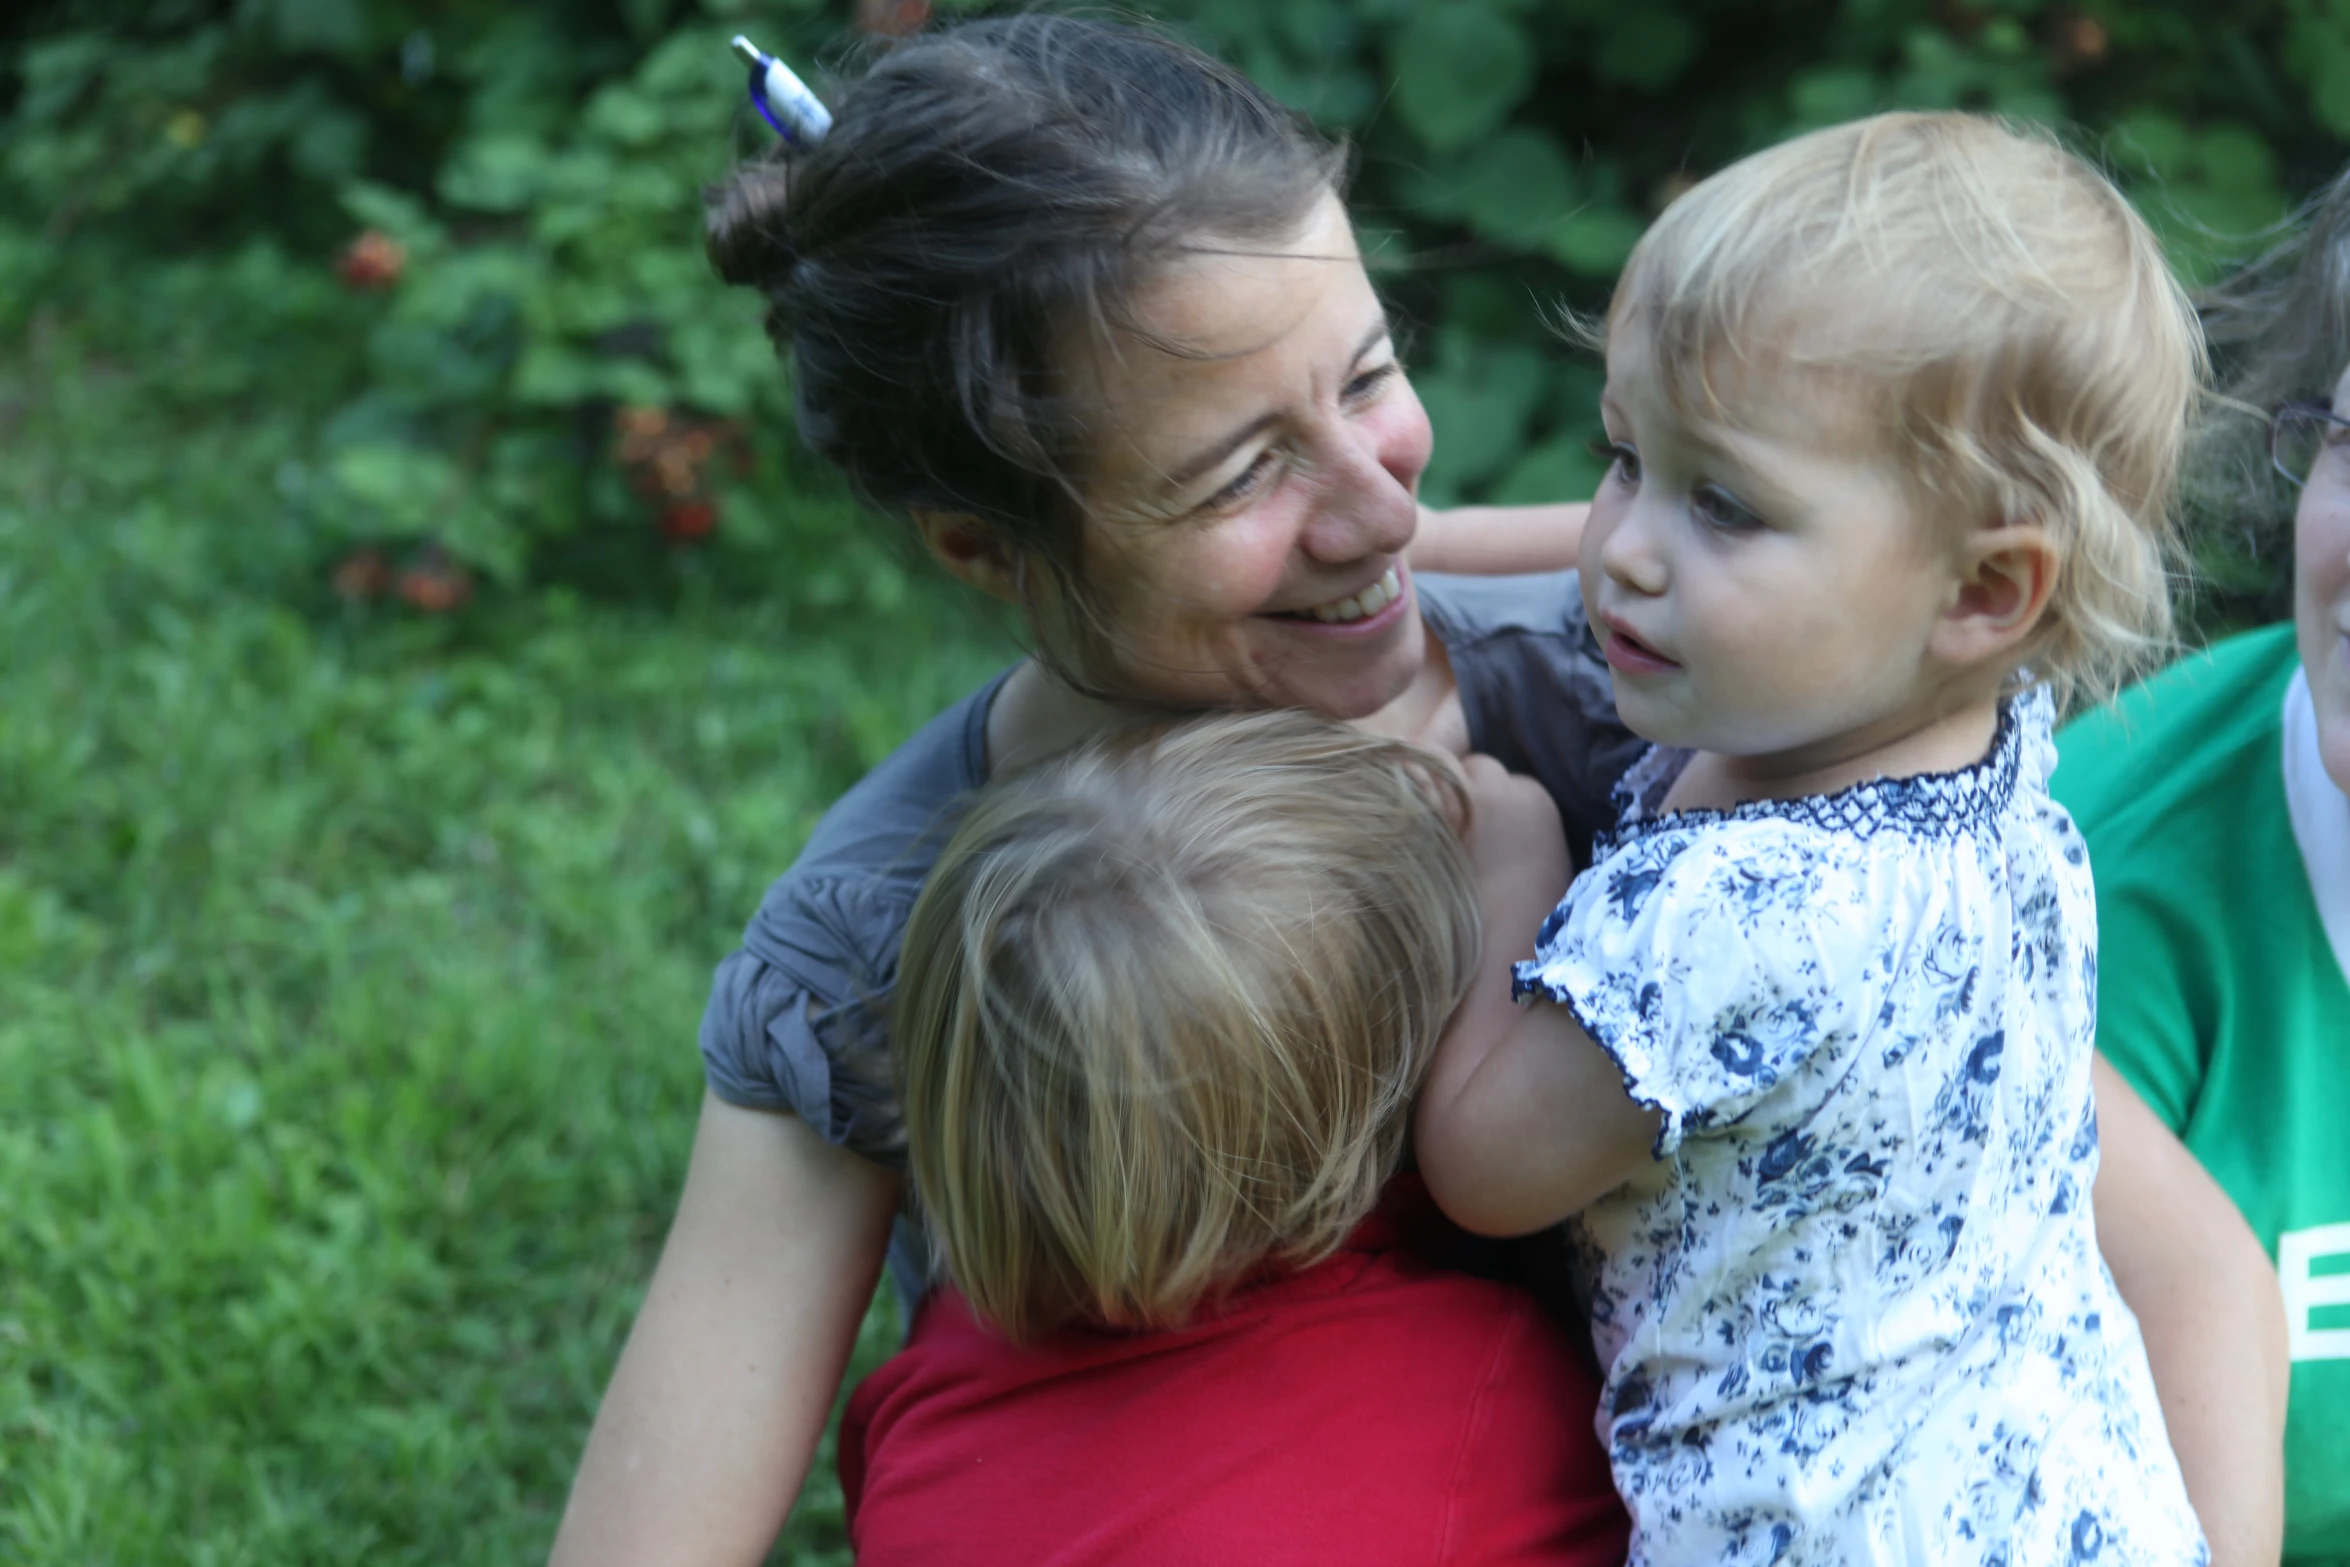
x: 1254, y: 489
x: 2321, y: 590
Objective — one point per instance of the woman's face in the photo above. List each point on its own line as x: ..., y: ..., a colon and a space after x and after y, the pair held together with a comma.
x: 2321, y: 592
x: 1253, y: 488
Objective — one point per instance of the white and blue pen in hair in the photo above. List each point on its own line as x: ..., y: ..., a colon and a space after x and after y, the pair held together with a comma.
x: 781, y: 98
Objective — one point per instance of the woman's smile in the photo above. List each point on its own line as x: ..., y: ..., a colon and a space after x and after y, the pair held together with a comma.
x: 1370, y: 609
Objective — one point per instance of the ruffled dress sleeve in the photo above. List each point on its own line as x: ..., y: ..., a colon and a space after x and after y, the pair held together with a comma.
x: 1712, y: 962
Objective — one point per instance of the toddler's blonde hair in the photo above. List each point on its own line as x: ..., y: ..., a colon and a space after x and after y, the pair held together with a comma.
x: 1162, y: 1008
x: 2003, y: 312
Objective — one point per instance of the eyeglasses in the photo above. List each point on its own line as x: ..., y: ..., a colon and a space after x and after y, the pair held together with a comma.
x: 2301, y: 434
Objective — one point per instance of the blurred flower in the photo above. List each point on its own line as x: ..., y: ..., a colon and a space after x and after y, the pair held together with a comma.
x: 363, y: 574
x: 665, y: 457
x: 892, y: 18
x: 688, y: 522
x: 640, y: 431
x: 371, y: 263
x: 436, y: 584
x: 2077, y: 39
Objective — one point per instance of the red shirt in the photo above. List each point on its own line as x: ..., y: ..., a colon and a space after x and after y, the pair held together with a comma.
x: 1372, y: 1409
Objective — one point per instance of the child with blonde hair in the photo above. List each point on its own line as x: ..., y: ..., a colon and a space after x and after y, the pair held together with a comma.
x: 1893, y: 413
x: 1163, y: 1006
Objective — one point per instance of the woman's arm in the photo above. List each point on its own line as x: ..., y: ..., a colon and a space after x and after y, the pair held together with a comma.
x: 2207, y: 1301
x: 714, y: 1410
x: 1499, y: 541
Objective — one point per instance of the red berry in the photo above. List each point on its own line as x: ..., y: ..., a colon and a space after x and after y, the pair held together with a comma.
x: 371, y: 263
x: 363, y: 574
x: 640, y: 431
x: 436, y: 587
x: 689, y: 521
x: 892, y: 18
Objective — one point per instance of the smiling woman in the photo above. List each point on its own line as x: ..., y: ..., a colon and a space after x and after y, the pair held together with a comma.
x: 1250, y: 496
x: 1084, y: 306
x: 1246, y: 485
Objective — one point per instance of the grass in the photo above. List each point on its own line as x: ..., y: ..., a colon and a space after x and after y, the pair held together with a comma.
x: 349, y: 970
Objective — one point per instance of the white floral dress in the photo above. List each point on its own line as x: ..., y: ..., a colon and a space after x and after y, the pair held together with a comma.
x: 1855, y: 1311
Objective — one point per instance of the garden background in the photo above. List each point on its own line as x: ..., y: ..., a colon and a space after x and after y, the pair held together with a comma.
x: 420, y: 640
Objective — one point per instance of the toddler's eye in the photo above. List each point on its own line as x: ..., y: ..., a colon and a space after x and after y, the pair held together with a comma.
x: 1623, y: 462
x: 1719, y: 509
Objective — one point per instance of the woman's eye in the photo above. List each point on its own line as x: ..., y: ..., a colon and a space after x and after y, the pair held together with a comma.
x: 1623, y: 462
x: 1366, y: 386
x: 1721, y: 510
x: 1246, y: 484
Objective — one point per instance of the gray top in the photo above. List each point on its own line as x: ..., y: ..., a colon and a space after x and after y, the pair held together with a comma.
x: 795, y: 1020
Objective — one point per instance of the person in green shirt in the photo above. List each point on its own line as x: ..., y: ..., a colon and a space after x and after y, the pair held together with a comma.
x: 2215, y: 799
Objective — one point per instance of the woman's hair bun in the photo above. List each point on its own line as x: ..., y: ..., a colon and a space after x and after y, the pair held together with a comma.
x: 745, y: 230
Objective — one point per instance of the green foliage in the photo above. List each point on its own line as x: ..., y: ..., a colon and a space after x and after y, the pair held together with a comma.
x: 538, y: 166
x: 1459, y: 67
x: 530, y: 179
x: 1522, y: 145
x: 2318, y: 54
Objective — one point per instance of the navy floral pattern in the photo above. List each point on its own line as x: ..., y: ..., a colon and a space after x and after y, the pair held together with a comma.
x: 1855, y: 1311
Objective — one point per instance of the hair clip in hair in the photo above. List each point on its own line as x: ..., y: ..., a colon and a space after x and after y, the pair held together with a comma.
x: 781, y: 98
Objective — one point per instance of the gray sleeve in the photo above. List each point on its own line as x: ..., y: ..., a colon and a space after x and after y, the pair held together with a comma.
x: 1536, y: 691
x: 797, y: 1019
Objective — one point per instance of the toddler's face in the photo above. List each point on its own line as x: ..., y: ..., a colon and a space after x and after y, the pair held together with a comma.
x: 1765, y: 593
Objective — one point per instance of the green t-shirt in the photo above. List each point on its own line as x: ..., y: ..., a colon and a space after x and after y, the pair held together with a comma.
x: 2224, y: 1003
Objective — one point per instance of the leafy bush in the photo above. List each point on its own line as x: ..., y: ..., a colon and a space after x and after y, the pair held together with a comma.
x: 527, y: 368
x: 529, y: 173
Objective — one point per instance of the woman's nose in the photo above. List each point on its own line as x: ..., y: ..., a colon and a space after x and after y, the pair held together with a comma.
x: 1364, y: 505
x: 1369, y: 498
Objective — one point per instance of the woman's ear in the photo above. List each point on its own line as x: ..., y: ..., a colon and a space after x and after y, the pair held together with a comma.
x: 971, y: 552
x: 2006, y: 575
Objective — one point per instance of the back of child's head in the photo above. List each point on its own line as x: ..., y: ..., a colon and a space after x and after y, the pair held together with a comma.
x: 1996, y: 313
x: 1163, y: 1006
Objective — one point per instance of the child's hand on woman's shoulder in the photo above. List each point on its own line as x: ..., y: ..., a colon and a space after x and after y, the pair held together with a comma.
x: 1523, y: 1120
x: 1514, y: 835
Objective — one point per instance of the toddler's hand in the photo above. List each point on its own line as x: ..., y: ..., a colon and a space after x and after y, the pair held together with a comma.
x: 1514, y: 832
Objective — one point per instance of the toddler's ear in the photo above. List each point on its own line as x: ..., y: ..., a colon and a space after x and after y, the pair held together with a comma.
x: 2005, y: 575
